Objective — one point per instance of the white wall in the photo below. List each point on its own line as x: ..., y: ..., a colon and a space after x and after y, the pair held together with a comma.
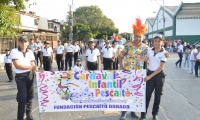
x: 168, y: 20
x: 169, y: 33
x: 28, y: 22
x: 42, y: 23
x: 149, y: 26
x: 187, y: 26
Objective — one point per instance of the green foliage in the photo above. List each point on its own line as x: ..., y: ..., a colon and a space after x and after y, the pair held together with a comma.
x: 80, y: 32
x: 9, y: 19
x: 100, y: 25
x: 127, y: 36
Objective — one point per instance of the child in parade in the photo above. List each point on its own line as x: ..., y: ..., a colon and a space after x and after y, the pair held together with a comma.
x: 155, y: 76
x: 78, y: 66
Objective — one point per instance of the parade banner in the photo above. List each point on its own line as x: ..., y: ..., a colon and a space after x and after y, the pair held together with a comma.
x: 91, y: 90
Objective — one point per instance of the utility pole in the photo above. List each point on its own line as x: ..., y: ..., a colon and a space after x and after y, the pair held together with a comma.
x: 164, y: 19
x: 70, y: 22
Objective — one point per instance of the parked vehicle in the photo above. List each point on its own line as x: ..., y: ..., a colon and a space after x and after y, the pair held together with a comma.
x: 120, y: 44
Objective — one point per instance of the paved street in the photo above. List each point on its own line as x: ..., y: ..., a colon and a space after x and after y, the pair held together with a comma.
x: 179, y: 102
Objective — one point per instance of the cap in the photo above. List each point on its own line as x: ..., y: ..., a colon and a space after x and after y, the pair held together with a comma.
x: 159, y: 36
x: 7, y: 49
x: 59, y: 41
x: 107, y: 41
x: 91, y: 40
x: 78, y: 59
x: 23, y: 37
x: 46, y: 42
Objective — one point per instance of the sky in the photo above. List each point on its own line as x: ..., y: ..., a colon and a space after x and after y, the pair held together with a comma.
x: 122, y: 12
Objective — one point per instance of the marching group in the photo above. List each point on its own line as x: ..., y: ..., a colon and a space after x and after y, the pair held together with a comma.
x: 133, y: 56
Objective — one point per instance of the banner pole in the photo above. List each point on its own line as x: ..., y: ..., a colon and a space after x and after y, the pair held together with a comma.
x: 40, y: 115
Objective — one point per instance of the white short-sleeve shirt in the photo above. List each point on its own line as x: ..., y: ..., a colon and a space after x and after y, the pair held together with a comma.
x: 155, y: 58
x: 38, y: 44
x: 23, y: 59
x: 198, y: 56
x: 32, y: 47
x: 60, y: 49
x: 76, y: 48
x: 78, y: 68
x: 108, y: 52
x: 7, y: 59
x: 92, y: 55
x: 69, y: 48
x: 180, y: 48
x: 47, y: 52
x: 192, y: 53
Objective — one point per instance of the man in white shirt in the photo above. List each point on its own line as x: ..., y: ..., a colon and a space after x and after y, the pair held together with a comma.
x: 192, y: 58
x: 180, y: 54
x: 23, y: 60
x: 8, y: 65
x: 33, y: 47
x: 47, y: 56
x: 116, y: 49
x: 197, y: 59
x: 38, y: 47
x: 76, y: 51
x: 108, y: 54
x: 60, y: 55
x: 92, y: 61
x: 69, y: 51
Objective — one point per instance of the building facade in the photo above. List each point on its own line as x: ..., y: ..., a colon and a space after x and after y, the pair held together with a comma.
x: 181, y: 22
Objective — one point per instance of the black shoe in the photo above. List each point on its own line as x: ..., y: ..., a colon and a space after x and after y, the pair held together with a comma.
x: 155, y: 117
x: 123, y: 116
x: 134, y: 115
x: 196, y: 75
x: 176, y: 64
x: 10, y: 81
x: 143, y: 116
x: 29, y: 118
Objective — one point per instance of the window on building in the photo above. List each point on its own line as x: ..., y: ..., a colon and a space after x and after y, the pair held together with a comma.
x: 50, y: 25
x: 35, y: 22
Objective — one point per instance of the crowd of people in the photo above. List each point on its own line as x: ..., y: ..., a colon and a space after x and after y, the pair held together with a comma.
x: 134, y: 56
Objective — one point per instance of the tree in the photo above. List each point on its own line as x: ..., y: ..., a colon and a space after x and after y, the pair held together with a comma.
x: 80, y: 32
x: 9, y: 19
x: 100, y: 25
x: 89, y: 15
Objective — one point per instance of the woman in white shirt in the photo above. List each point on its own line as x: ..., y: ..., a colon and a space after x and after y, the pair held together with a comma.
x: 155, y: 76
x: 192, y: 61
x: 47, y: 56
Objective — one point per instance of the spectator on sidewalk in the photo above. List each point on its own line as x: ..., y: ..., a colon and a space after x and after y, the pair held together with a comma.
x: 187, y: 56
x: 197, y: 64
x: 8, y: 65
x: 23, y: 60
x: 39, y: 47
x: 180, y: 54
x: 192, y: 58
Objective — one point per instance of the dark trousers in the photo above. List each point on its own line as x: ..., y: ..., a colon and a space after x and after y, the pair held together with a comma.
x: 24, y: 94
x: 115, y: 64
x: 68, y: 59
x: 92, y: 65
x: 38, y: 57
x: 145, y: 65
x: 35, y: 55
x: 155, y: 83
x: 60, y: 61
x: 9, y: 71
x: 180, y: 58
x: 75, y: 57
x: 107, y: 64
x: 47, y: 63
x: 197, y: 64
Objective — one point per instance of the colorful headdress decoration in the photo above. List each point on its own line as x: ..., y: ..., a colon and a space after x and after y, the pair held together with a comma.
x: 139, y: 28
